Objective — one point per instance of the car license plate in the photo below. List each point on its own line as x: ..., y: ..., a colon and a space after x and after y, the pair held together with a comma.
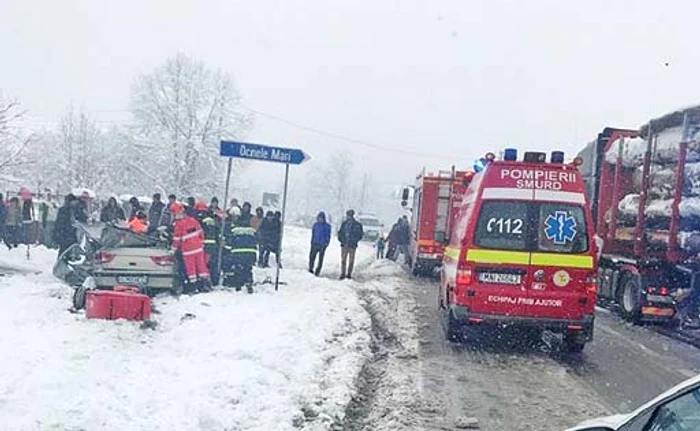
x: 499, y: 278
x: 133, y: 280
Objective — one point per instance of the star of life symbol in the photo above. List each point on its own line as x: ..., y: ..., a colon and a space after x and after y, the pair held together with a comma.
x: 560, y: 227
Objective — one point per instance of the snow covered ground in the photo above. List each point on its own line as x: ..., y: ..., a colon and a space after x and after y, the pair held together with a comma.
x: 226, y: 360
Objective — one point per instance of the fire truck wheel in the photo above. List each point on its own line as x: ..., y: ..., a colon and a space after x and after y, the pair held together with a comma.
x: 629, y: 297
x: 573, y: 343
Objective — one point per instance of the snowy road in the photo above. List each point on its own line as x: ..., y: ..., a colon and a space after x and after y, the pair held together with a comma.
x: 514, y: 383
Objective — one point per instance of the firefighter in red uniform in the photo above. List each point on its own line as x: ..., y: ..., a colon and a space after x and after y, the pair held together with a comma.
x: 188, y: 239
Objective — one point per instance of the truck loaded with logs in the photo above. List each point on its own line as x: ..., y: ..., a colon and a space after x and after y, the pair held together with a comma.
x: 644, y: 189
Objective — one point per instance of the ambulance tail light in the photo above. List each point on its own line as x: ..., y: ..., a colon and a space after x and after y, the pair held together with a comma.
x: 557, y: 157
x: 465, y: 275
x: 510, y: 154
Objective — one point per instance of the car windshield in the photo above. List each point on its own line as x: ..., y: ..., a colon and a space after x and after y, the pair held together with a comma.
x: 532, y: 226
x: 369, y: 221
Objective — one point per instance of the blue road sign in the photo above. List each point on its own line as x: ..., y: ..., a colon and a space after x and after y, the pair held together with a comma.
x: 265, y: 153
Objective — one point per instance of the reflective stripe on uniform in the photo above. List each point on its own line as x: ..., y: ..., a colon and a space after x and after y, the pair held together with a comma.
x: 191, y: 252
x: 209, y: 241
x: 563, y: 260
x: 498, y: 256
x: 190, y: 235
x: 244, y: 250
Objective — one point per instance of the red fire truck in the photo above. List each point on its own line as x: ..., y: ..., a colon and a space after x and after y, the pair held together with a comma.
x: 649, y: 256
x: 522, y: 250
x: 436, y: 198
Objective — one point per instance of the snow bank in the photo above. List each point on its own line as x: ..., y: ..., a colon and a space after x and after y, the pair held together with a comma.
x: 224, y: 360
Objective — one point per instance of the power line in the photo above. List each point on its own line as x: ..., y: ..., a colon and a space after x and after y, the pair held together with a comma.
x: 344, y: 138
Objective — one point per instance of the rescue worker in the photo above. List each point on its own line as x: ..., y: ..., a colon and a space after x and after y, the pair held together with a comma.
x: 188, y: 241
x: 207, y: 219
x: 241, y: 248
x: 139, y: 223
x: 246, y: 216
x: 349, y: 235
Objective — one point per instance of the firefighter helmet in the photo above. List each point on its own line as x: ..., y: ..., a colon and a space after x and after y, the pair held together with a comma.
x: 177, y: 208
x: 201, y: 206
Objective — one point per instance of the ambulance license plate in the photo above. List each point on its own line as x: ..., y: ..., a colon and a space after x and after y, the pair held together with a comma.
x: 499, y: 278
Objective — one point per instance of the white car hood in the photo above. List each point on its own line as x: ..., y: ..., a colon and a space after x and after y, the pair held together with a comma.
x: 613, y: 422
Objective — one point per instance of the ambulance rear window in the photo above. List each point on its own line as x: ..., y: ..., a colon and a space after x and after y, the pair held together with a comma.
x: 502, y: 225
x: 532, y: 226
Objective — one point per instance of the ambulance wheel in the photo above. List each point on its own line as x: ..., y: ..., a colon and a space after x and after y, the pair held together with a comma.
x: 573, y: 344
x: 453, y: 331
x: 79, y: 297
x: 629, y: 294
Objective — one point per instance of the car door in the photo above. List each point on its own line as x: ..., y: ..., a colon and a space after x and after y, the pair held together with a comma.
x: 681, y: 413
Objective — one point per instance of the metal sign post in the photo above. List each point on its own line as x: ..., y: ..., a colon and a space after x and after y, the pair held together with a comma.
x: 284, y: 216
x: 223, y: 219
x: 263, y: 153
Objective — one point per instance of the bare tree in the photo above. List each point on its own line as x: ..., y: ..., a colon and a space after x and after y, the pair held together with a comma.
x: 76, y: 154
x: 181, y: 111
x: 13, y: 141
x: 338, y: 178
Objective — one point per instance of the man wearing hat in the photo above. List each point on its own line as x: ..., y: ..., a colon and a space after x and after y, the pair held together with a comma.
x: 350, y: 234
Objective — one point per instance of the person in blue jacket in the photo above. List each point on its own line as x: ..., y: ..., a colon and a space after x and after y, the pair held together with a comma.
x: 320, y: 238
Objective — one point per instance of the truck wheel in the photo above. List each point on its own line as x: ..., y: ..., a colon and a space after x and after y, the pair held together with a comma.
x: 629, y: 297
x: 573, y: 344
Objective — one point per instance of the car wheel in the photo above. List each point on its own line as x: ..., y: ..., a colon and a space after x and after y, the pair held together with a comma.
x: 629, y: 297
x: 79, y: 297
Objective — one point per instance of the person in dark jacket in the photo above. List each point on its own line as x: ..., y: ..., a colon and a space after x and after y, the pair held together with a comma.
x: 155, y: 213
x: 266, y: 239
x: 166, y: 218
x: 350, y: 234
x: 3, y: 217
x: 392, y: 240
x: 29, y: 225
x: 189, y: 208
x: 240, y: 246
x: 135, y: 207
x: 320, y: 238
x: 112, y: 212
x: 13, y: 223
x: 64, y: 233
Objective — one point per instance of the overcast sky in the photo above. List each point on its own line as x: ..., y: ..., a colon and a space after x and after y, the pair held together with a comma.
x: 450, y: 78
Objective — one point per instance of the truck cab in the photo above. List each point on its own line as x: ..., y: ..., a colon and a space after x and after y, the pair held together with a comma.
x: 522, y: 250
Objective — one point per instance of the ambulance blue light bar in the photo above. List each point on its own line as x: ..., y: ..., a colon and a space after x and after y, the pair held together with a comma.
x: 557, y: 157
x: 510, y: 154
x: 480, y: 164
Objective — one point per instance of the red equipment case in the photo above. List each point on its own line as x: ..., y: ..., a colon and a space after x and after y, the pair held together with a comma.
x: 105, y: 304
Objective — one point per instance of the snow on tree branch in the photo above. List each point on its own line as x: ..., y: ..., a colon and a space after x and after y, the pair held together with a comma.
x: 181, y: 111
x: 13, y: 141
